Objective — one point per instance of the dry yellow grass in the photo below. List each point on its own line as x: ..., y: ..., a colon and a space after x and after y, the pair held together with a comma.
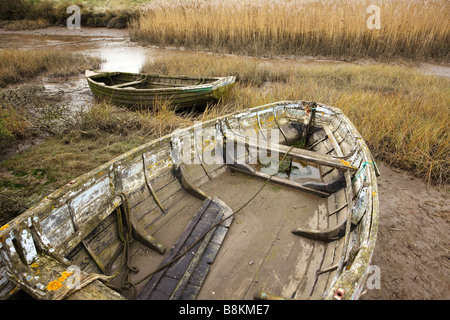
x: 26, y: 24
x: 19, y: 65
x: 103, y: 118
x: 336, y: 28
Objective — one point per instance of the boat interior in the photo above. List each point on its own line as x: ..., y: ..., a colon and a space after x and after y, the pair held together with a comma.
x: 145, y: 81
x: 255, y: 251
x: 256, y: 227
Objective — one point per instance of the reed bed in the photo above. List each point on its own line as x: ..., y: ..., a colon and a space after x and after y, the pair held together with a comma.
x: 90, y: 137
x: 21, y: 65
x: 416, y: 30
x: 403, y: 115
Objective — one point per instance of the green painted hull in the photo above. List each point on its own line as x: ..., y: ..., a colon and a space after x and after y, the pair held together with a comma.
x: 144, y: 90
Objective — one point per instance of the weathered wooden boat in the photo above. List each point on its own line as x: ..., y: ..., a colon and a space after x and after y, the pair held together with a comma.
x: 164, y: 221
x: 140, y: 90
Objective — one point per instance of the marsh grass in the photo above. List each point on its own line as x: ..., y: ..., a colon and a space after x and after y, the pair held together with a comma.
x: 25, y: 112
x: 337, y: 28
x: 22, y: 109
x: 26, y: 24
x: 101, y: 118
x: 21, y: 65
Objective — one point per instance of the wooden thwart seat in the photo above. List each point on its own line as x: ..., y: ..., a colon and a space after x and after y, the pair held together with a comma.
x: 248, y: 170
x: 295, y: 153
x: 183, y: 278
x: 128, y: 84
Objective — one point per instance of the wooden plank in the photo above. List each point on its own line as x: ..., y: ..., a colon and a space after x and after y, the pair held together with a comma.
x: 90, y: 225
x: 180, y: 207
x: 100, y: 241
x: 328, y: 258
x: 182, y: 279
x: 127, y: 84
x: 301, y: 263
x: 58, y: 226
x: 281, y: 181
x: 317, y: 255
x: 198, y: 254
x: 295, y: 153
x: 146, y: 291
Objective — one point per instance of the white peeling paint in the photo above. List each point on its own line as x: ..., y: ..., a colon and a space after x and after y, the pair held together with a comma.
x: 28, y: 247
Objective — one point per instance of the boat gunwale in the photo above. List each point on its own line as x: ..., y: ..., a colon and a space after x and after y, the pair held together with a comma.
x: 218, y: 82
x: 353, y: 279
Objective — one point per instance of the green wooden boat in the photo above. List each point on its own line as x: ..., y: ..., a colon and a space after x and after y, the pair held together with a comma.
x: 141, y: 90
x: 201, y: 214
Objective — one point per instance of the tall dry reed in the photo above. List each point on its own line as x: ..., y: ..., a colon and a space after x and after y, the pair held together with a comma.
x: 336, y: 28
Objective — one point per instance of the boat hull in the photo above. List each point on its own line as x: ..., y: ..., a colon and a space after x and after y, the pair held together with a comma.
x: 179, y: 91
x: 235, y: 229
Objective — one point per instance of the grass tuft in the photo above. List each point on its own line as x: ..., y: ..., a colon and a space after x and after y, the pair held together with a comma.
x: 21, y: 65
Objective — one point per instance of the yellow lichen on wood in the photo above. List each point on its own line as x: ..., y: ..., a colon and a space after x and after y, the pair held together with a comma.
x: 54, y: 285
x: 64, y: 276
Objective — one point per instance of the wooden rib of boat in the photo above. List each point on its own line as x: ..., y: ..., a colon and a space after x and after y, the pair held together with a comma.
x: 160, y: 222
x: 140, y: 90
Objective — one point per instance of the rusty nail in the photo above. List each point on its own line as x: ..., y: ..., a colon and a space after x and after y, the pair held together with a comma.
x: 339, y: 294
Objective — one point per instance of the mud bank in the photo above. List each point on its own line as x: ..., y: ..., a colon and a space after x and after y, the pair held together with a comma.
x: 413, y: 244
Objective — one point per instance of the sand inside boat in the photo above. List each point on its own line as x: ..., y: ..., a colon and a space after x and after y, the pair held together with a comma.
x: 259, y: 252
